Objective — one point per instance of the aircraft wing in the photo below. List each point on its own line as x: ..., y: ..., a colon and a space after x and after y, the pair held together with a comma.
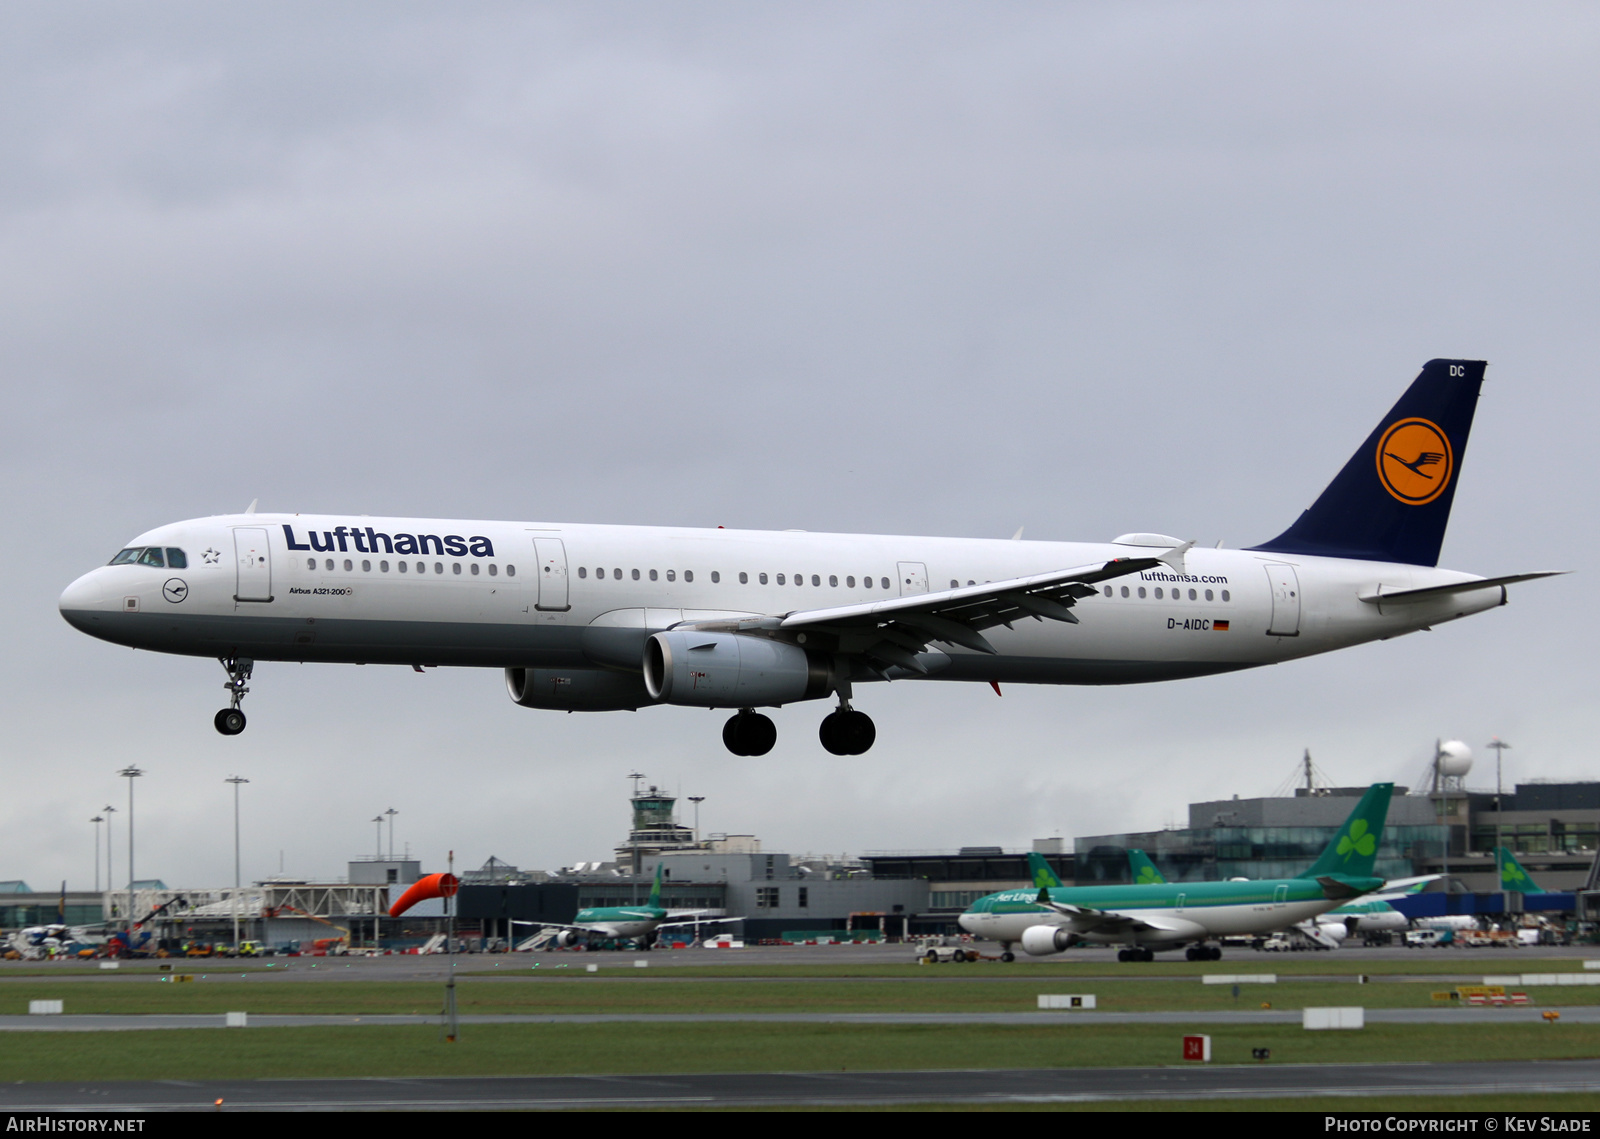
x: 1083, y: 919
x: 892, y: 632
x: 698, y: 921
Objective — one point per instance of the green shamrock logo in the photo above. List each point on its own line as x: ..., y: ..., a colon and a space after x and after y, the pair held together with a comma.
x: 1358, y: 841
x: 1512, y: 873
x: 1148, y: 876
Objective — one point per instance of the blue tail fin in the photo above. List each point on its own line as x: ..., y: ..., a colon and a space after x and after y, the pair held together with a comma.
x: 1392, y: 500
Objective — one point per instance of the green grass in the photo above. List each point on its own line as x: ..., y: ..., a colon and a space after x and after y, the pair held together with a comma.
x: 587, y: 993
x: 258, y: 1053
x: 1556, y: 1103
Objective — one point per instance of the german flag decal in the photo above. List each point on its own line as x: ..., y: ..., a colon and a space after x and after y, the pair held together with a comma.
x: 1220, y: 626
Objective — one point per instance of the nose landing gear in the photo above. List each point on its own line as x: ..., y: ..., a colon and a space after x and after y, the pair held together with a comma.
x: 749, y: 733
x: 230, y: 721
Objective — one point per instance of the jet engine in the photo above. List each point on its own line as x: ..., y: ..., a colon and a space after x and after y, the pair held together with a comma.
x: 1043, y: 940
x: 575, y: 689
x: 731, y: 670
x: 567, y: 938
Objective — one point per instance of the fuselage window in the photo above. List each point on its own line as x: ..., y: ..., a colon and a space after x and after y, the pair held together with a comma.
x: 815, y: 580
x: 349, y: 565
x: 1209, y: 596
x: 383, y: 567
x: 328, y: 564
x: 455, y: 567
x: 1158, y: 593
x: 311, y: 563
x: 799, y: 579
x: 716, y: 577
x: 635, y: 575
x: 653, y: 575
x: 152, y: 557
x: 474, y: 569
x: 763, y: 579
x: 744, y: 578
x: 494, y: 569
x: 1141, y: 591
x: 176, y: 558
x: 1124, y: 591
x: 422, y: 567
x: 972, y: 583
x: 688, y: 575
x: 511, y: 571
x: 403, y: 567
x: 1225, y: 595
x: 850, y: 581
x: 616, y: 572
x: 583, y: 571
x: 1193, y: 596
x: 672, y: 575
x: 954, y: 584
x: 782, y: 580
x: 833, y: 581
x: 884, y: 583
x: 1108, y: 591
x: 366, y: 566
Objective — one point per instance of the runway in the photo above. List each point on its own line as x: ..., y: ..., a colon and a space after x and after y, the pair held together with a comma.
x: 841, y: 1089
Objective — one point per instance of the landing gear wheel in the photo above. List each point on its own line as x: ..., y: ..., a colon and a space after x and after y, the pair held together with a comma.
x: 749, y: 733
x: 847, y: 732
x: 1008, y: 957
x: 229, y: 721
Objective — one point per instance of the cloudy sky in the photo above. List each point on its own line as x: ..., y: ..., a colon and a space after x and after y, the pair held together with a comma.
x: 911, y: 268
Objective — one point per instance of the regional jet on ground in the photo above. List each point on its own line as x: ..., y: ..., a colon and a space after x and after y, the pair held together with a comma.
x: 1167, y: 915
x: 605, y: 618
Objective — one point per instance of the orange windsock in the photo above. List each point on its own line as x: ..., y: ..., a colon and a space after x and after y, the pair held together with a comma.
x: 431, y: 886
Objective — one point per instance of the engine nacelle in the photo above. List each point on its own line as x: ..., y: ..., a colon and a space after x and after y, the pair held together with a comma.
x: 575, y: 689
x: 1043, y: 940
x: 567, y: 938
x: 731, y: 670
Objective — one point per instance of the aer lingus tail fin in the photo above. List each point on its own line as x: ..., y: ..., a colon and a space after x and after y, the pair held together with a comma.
x: 1144, y: 871
x: 1513, y: 878
x: 655, y: 890
x: 1043, y: 876
x: 1355, y: 848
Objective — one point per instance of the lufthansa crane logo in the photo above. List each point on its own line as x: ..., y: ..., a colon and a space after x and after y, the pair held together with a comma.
x: 1415, y: 461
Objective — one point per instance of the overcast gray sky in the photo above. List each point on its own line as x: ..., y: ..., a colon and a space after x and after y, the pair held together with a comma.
x: 917, y: 268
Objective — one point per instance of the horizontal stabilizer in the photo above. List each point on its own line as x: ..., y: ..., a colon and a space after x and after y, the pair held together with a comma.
x: 1379, y: 594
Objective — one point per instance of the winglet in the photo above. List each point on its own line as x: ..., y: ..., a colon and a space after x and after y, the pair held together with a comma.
x: 1174, y: 557
x: 251, y: 509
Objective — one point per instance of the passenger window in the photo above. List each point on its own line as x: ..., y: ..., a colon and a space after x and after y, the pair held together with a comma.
x: 954, y: 584
x: 366, y: 566
x: 672, y: 575
x: 1209, y: 596
x: 1225, y: 595
x: 1158, y: 593
x: 583, y: 571
x: 152, y: 557
x: 474, y: 569
x: 1141, y: 591
x: 744, y: 578
x: 1124, y: 591
x: 816, y: 580
x: 422, y: 567
x: 349, y: 565
x: 511, y: 571
x: 311, y: 563
x: 972, y: 583
x: 438, y: 567
x: 328, y: 564
x: 884, y: 582
x: 850, y: 581
x: 1192, y: 595
x: 763, y: 579
x: 494, y: 569
x: 616, y: 572
x: 635, y: 575
x: 652, y: 575
x: 1108, y: 591
x: 799, y: 579
x: 455, y: 567
x: 383, y: 567
x: 176, y: 558
x: 403, y: 567
x: 833, y: 581
x: 688, y: 575
x: 782, y: 580
x: 716, y: 577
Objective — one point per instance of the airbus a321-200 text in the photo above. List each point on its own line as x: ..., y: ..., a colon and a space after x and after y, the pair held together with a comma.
x: 589, y: 618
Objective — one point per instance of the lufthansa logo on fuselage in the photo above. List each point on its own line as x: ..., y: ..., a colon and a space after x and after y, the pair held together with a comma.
x: 1415, y: 461
x: 175, y: 590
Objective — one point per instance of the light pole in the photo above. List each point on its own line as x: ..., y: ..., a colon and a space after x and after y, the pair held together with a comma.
x: 697, y: 800
x: 108, y: 810
x: 97, y: 820
x: 391, y: 812
x: 235, y: 780
x: 130, y: 773
x: 1500, y: 748
x: 378, y: 854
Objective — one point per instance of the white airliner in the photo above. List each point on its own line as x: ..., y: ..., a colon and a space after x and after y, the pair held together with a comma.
x: 605, y: 618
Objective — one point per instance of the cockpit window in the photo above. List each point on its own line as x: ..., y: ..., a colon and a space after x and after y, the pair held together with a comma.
x: 152, y: 557
x: 126, y: 557
x: 176, y: 558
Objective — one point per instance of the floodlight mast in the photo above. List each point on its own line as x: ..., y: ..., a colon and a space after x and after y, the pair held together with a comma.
x: 130, y: 773
x: 236, y: 780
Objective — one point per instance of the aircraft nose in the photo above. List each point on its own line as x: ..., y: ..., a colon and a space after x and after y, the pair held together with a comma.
x: 83, y: 600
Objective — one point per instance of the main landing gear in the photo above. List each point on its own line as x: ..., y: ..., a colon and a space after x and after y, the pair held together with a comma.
x: 749, y: 733
x: 230, y: 721
x: 1204, y: 953
x: 1126, y: 955
x: 847, y: 732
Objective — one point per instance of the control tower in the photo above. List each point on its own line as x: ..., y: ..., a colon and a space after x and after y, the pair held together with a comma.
x: 655, y: 829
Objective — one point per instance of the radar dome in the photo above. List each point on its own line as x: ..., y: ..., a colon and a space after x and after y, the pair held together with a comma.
x: 1455, y: 758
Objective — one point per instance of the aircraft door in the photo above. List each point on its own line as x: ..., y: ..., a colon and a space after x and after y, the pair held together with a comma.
x: 1285, y: 601
x: 254, y: 560
x: 913, y: 578
x: 552, y: 557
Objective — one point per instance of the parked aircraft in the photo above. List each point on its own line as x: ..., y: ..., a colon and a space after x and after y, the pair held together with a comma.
x: 605, y: 618
x: 633, y: 923
x: 1149, y: 918
x: 1513, y: 878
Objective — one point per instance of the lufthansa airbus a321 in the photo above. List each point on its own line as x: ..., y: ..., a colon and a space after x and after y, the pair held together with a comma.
x: 605, y: 618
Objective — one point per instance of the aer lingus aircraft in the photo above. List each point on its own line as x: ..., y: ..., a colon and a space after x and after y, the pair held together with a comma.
x: 1169, y: 915
x: 605, y: 618
x: 631, y: 923
x: 1513, y: 878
